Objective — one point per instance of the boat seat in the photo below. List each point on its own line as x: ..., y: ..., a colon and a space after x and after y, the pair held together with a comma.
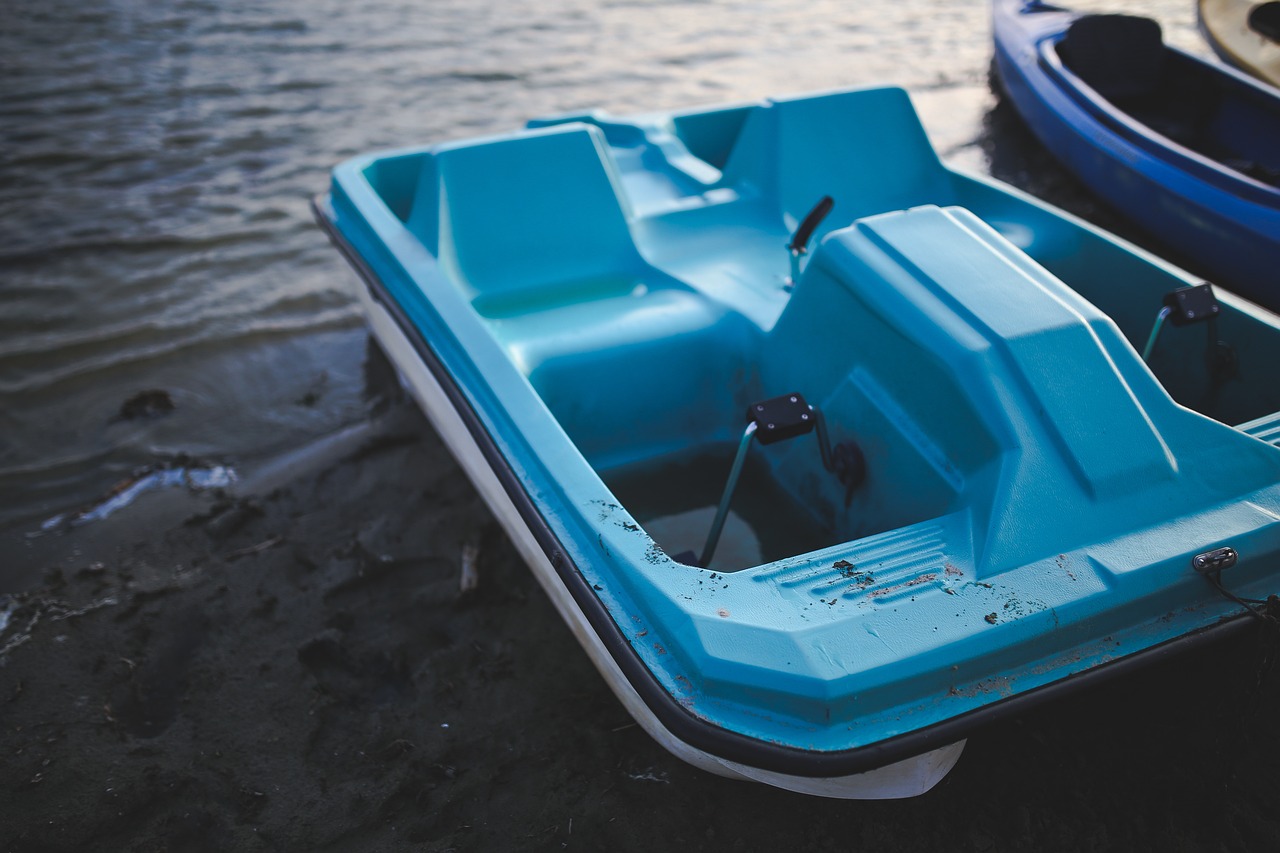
x: 657, y: 170
x: 1119, y: 56
x: 677, y: 351
x: 538, y: 218
x: 796, y: 150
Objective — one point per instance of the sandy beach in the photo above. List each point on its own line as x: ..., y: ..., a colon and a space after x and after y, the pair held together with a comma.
x: 293, y: 666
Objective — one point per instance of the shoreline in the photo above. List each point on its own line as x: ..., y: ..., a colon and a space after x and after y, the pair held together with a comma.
x: 295, y: 667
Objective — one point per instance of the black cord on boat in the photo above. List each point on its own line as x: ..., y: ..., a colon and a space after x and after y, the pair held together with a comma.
x: 1264, y: 609
x: 845, y: 459
x: 1266, y: 644
x: 1219, y: 356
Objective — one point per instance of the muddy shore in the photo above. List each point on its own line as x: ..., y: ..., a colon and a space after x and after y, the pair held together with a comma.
x: 292, y: 666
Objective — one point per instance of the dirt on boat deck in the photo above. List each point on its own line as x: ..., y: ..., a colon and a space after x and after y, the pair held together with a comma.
x: 296, y: 669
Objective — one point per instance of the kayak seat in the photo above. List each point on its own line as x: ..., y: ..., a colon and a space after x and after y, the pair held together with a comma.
x: 1119, y: 56
x: 532, y: 221
x: 1123, y: 58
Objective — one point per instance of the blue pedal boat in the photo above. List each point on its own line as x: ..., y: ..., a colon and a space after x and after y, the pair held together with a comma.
x: 827, y: 453
x: 1186, y: 149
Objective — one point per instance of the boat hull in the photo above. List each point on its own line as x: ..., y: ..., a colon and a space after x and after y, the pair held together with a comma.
x: 852, y: 661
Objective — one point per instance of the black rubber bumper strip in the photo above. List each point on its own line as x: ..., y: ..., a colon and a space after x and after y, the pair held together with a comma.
x: 679, y: 721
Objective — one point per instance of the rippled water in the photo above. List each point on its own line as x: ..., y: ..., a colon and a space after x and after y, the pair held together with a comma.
x: 156, y: 161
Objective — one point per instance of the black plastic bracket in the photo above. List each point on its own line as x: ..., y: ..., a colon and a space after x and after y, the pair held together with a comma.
x: 1192, y: 304
x: 780, y: 418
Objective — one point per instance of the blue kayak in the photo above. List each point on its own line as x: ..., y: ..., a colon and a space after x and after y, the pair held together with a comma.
x: 826, y: 453
x: 1186, y: 149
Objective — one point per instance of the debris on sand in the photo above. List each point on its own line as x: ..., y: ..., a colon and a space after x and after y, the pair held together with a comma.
x: 183, y: 471
x: 8, y: 604
x: 649, y: 775
x: 265, y: 545
x: 469, y: 577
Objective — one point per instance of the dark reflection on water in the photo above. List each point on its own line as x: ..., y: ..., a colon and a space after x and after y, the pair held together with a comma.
x: 156, y: 161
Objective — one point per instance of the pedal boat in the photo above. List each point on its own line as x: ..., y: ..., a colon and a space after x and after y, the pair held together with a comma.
x: 822, y: 487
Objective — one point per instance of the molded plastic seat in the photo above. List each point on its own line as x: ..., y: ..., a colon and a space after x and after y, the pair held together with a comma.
x: 529, y: 217
x: 796, y: 150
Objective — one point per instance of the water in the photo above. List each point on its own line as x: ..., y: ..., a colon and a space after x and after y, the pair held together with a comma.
x: 156, y: 162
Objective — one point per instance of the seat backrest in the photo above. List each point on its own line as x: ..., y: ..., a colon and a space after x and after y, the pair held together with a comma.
x: 864, y: 148
x: 1119, y: 56
x: 537, y: 207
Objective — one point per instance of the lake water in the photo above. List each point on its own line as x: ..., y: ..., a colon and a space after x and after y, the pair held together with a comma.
x: 157, y: 160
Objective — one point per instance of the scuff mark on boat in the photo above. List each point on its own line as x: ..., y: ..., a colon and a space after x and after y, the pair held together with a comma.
x: 888, y: 590
x: 1016, y: 607
x: 1000, y: 684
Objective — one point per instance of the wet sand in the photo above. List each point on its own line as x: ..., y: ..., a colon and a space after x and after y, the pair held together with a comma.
x: 294, y: 667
